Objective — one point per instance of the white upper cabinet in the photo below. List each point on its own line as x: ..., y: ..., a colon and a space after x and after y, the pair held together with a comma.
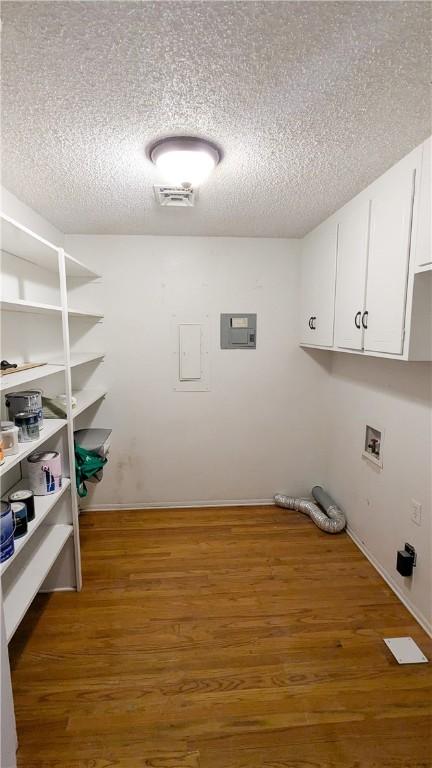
x: 382, y: 298
x: 352, y: 254
x: 318, y: 273
x: 391, y: 214
x: 422, y: 244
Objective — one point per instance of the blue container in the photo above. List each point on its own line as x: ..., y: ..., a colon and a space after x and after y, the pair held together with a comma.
x: 6, y: 532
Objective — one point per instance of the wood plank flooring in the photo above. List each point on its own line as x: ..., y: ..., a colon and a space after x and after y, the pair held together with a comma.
x: 219, y: 638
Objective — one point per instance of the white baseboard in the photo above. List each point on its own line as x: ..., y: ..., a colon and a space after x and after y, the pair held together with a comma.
x: 178, y: 505
x: 424, y: 623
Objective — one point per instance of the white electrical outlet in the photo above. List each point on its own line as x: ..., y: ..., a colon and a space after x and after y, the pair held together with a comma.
x: 416, y: 514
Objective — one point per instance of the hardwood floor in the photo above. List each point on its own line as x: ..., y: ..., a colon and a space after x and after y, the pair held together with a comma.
x: 219, y: 638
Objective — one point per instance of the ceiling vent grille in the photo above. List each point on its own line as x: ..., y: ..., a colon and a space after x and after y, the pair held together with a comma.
x: 179, y: 197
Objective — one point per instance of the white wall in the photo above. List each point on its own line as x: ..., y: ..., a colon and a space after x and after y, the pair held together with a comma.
x: 396, y: 396
x: 279, y: 418
x: 259, y: 429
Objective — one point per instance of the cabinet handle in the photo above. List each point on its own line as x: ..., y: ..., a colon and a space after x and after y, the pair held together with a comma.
x: 357, y: 319
x: 313, y: 326
x: 365, y: 320
x: 310, y: 322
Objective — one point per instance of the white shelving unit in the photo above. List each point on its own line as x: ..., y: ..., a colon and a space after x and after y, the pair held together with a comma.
x: 43, y: 506
x: 50, y: 428
x: 75, y: 268
x: 34, y: 307
x: 85, y: 399
x: 20, y: 241
x: 83, y: 314
x: 48, y: 542
x: 11, y: 381
x: 56, y: 515
x: 85, y: 357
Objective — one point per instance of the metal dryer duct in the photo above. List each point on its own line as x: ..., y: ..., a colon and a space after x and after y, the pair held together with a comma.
x: 332, y: 520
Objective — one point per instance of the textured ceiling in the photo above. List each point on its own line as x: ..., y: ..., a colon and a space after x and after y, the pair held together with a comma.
x: 310, y: 101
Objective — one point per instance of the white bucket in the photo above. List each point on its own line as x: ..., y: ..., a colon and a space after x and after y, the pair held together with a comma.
x: 44, y: 472
x: 9, y: 435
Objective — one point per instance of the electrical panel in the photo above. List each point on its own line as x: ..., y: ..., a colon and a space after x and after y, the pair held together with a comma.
x: 238, y: 331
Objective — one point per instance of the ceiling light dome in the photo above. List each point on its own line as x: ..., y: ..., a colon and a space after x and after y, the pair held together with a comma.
x: 185, y: 160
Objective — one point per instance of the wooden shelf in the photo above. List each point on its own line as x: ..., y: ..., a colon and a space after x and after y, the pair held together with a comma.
x: 86, y: 398
x: 43, y: 506
x: 50, y: 428
x: 36, y: 562
x: 34, y: 307
x: 12, y: 380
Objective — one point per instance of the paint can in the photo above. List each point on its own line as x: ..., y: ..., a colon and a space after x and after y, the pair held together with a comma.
x: 28, y: 427
x: 9, y: 437
x: 44, y: 472
x: 6, y: 532
x: 19, y: 512
x: 27, y: 498
x: 29, y: 401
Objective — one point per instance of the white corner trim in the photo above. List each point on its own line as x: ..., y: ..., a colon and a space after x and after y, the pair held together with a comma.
x: 178, y: 505
x: 424, y: 623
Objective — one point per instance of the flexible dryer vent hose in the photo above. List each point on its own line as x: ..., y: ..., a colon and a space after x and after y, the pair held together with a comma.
x: 332, y: 520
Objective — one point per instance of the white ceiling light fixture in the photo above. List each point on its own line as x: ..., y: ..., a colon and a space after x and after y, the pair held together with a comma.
x: 185, y: 160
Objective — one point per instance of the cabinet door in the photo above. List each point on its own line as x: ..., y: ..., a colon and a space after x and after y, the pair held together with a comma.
x: 391, y: 212
x: 423, y: 244
x: 352, y: 253
x: 318, y: 273
x: 308, y: 297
